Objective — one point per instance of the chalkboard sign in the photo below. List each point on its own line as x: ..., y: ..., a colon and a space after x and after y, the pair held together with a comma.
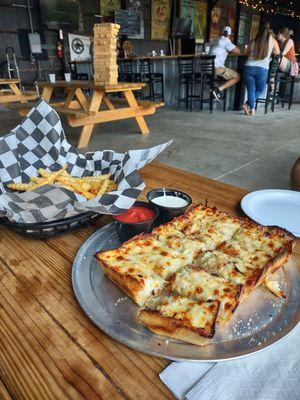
x: 130, y: 22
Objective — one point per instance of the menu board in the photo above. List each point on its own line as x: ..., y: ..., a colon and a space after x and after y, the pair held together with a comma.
x: 160, y: 19
x: 254, y: 26
x: 137, y: 5
x: 129, y: 21
x: 200, y: 21
x: 187, y: 11
x: 108, y: 7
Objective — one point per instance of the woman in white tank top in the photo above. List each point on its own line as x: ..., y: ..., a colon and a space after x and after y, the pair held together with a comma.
x: 257, y: 66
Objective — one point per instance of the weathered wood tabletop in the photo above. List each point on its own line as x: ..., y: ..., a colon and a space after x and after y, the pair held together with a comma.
x: 48, y: 348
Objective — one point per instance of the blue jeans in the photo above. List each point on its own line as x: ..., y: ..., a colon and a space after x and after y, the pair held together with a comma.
x: 255, y: 79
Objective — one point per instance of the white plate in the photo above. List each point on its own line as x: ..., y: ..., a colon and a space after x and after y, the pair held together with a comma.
x: 274, y: 207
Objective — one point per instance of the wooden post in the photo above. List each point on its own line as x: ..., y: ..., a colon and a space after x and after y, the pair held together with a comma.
x: 237, y: 21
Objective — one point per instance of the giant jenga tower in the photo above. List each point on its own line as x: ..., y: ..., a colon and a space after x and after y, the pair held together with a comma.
x: 105, y: 55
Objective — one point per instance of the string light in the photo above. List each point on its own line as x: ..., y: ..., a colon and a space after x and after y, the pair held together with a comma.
x: 273, y: 8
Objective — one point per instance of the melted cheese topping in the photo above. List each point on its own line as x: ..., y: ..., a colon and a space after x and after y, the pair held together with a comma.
x: 197, y: 284
x: 212, y: 229
x: 194, y: 314
x: 223, y: 265
x: 253, y: 245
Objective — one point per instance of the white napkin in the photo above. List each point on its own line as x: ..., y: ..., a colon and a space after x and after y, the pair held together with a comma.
x: 272, y: 374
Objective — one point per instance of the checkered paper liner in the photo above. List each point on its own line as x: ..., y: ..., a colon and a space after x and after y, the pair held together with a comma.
x: 39, y: 142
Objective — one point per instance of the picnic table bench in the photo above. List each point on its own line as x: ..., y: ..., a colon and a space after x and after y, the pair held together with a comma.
x: 82, y: 110
x: 13, y: 93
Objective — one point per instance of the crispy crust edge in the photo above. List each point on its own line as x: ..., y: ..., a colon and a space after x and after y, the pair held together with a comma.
x: 169, y: 327
x: 131, y: 286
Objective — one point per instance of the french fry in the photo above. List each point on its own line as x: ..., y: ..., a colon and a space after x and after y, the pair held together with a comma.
x: 103, y: 188
x: 95, y: 179
x: 44, y: 173
x: 76, y: 187
x: 111, y: 186
x: 22, y: 186
x: 88, y: 186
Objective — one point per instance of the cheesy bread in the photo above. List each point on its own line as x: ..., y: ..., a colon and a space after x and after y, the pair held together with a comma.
x: 192, y: 272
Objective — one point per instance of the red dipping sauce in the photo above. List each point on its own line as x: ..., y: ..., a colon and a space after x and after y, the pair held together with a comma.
x: 135, y: 214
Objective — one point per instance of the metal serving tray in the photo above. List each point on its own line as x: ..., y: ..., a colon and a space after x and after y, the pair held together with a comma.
x: 260, y: 321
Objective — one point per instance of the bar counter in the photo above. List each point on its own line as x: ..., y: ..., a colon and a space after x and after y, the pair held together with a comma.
x: 168, y: 65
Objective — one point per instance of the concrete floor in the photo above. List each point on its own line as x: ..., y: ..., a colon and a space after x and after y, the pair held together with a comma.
x: 249, y: 152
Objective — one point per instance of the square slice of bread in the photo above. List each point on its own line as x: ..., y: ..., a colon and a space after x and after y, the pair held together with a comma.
x: 197, y: 284
x: 141, y: 266
x: 181, y: 318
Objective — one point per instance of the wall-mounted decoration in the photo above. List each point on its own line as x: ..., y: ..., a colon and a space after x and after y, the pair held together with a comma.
x: 187, y: 11
x: 254, y: 26
x: 56, y: 14
x: 160, y: 19
x: 137, y: 5
x: 79, y: 47
x: 200, y: 21
x: 108, y: 7
x: 35, y: 43
x: 244, y: 28
x: 231, y: 15
x: 215, y: 23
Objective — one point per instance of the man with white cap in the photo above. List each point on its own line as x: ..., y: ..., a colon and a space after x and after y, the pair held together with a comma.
x: 220, y: 49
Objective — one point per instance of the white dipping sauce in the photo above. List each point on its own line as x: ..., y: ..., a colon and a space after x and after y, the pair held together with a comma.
x: 170, y: 201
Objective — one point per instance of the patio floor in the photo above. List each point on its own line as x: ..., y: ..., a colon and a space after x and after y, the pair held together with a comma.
x: 249, y: 152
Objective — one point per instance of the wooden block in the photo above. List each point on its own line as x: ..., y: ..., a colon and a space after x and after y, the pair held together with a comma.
x: 106, y: 30
x: 99, y: 43
x: 107, y: 62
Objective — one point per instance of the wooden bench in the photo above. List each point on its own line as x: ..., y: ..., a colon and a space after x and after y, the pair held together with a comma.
x: 85, y: 111
x: 14, y: 94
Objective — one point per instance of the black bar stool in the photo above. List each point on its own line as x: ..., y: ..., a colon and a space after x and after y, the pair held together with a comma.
x: 208, y: 82
x: 144, y: 72
x: 157, y: 80
x: 286, y: 89
x: 186, y: 81
x: 272, y: 85
x: 126, y: 72
x: 154, y: 79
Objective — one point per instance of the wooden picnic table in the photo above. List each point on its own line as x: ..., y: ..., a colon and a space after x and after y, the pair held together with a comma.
x: 85, y: 112
x: 14, y: 93
x: 49, y: 349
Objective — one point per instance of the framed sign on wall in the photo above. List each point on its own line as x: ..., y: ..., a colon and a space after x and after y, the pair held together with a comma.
x: 187, y: 11
x: 137, y: 5
x: 200, y: 21
x: 160, y: 19
x: 108, y: 7
x: 79, y: 47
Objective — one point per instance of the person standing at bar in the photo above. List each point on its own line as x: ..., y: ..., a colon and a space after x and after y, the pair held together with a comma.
x: 220, y: 49
x: 257, y: 66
